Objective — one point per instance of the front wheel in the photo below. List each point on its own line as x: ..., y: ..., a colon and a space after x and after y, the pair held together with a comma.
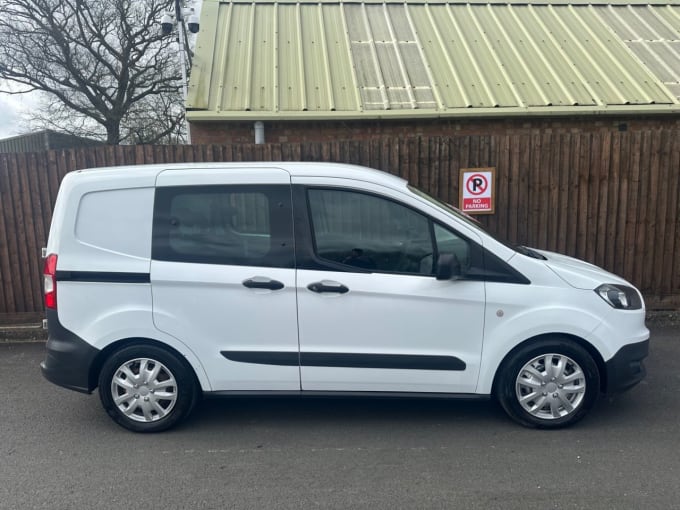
x: 146, y: 388
x: 550, y: 383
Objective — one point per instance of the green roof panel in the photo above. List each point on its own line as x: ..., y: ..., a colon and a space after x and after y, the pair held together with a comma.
x: 437, y: 58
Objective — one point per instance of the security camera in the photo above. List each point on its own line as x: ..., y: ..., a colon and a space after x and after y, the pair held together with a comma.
x: 193, y: 24
x: 167, y: 23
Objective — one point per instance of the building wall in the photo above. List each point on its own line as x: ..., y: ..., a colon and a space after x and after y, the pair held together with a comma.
x: 44, y: 140
x: 322, y: 131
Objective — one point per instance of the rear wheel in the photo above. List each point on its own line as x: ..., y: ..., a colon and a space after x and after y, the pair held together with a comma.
x: 145, y: 388
x: 550, y: 383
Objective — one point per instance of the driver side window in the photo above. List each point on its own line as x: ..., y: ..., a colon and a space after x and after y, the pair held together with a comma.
x: 370, y: 233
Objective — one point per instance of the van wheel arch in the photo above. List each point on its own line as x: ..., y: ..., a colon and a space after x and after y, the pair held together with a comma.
x: 570, y: 373
x: 107, y: 351
x: 594, y: 353
x: 549, y: 381
x: 147, y: 386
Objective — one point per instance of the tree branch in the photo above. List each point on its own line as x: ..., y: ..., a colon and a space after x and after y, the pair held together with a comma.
x: 103, y: 60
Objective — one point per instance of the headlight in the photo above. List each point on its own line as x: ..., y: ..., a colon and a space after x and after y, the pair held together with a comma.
x: 620, y: 296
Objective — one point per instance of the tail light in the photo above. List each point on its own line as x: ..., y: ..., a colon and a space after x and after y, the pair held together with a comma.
x: 50, y: 281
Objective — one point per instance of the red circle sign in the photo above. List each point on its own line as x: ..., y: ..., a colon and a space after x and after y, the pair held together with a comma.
x: 476, y: 184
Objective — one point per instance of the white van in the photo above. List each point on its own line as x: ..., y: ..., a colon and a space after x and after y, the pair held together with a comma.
x: 165, y: 283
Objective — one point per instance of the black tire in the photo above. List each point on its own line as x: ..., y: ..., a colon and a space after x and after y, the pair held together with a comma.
x: 142, y: 398
x: 552, y: 398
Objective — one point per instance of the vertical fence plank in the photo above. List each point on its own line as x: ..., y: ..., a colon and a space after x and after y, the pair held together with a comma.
x: 534, y: 205
x: 542, y: 182
x: 449, y: 193
x: 663, y: 254
x: 564, y: 192
x: 553, y: 169
x: 424, y: 165
x: 412, y: 161
x: 642, y: 219
x: 513, y: 142
x: 621, y: 197
x: 50, y: 181
x: 385, y: 153
x: 583, y: 196
x: 613, y: 203
x: 592, y: 192
x: 499, y: 158
x: 632, y: 210
x: 523, y: 202
x: 573, y: 181
x: 6, y: 284
x: 600, y: 196
x: 653, y: 245
x: 44, y: 169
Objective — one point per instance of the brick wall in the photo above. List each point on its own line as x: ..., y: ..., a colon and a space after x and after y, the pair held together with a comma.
x: 323, y: 131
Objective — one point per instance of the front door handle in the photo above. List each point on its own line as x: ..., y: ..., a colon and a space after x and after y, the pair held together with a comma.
x: 327, y: 286
x: 259, y: 282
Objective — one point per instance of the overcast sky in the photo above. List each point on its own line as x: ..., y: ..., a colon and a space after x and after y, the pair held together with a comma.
x: 11, y: 109
x: 9, y: 116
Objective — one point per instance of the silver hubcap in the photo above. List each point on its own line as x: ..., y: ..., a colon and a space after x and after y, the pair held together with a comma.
x: 144, y: 390
x: 550, y: 386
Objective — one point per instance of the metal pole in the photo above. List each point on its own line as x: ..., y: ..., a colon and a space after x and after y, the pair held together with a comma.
x: 181, y: 41
x: 259, y: 132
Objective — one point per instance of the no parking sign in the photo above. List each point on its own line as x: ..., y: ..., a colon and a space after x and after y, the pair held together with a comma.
x: 477, y: 194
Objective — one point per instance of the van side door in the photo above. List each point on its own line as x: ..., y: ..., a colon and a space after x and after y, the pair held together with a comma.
x: 372, y: 315
x: 222, y: 274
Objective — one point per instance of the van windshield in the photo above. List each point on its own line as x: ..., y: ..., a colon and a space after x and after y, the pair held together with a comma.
x: 475, y: 224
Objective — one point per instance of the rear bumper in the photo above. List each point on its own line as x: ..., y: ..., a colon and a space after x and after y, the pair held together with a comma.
x: 626, y: 368
x: 69, y: 358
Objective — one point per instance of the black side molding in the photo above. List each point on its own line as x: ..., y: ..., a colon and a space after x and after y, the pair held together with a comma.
x: 394, y: 361
x: 348, y: 360
x: 344, y: 394
x: 263, y: 358
x: 103, y: 277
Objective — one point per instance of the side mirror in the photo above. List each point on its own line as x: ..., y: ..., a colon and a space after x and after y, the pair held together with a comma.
x: 448, y: 267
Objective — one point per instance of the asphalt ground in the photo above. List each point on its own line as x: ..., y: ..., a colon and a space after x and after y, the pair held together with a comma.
x: 59, y: 450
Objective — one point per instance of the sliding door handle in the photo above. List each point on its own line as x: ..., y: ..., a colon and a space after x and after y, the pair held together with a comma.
x: 259, y: 282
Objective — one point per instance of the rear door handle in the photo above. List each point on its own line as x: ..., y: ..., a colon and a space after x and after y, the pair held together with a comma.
x: 327, y: 286
x: 260, y: 282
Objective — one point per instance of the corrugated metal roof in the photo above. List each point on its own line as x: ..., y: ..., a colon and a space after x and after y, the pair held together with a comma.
x: 415, y: 58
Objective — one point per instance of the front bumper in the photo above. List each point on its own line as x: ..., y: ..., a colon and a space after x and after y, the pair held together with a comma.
x: 626, y: 368
x: 69, y: 358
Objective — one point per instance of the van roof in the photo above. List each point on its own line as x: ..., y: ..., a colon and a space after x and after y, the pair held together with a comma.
x: 299, y: 169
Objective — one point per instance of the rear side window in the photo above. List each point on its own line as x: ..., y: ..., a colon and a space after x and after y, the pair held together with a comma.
x: 103, y: 223
x: 230, y: 225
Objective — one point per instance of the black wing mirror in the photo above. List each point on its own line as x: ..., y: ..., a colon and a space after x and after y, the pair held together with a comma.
x: 448, y: 267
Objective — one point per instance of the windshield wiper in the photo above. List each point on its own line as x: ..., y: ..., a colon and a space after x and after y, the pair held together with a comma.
x: 529, y: 252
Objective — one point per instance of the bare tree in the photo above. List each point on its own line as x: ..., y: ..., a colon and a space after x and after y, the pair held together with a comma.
x: 103, y: 66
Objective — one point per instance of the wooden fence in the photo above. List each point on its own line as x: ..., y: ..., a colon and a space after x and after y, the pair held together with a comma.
x: 610, y: 198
